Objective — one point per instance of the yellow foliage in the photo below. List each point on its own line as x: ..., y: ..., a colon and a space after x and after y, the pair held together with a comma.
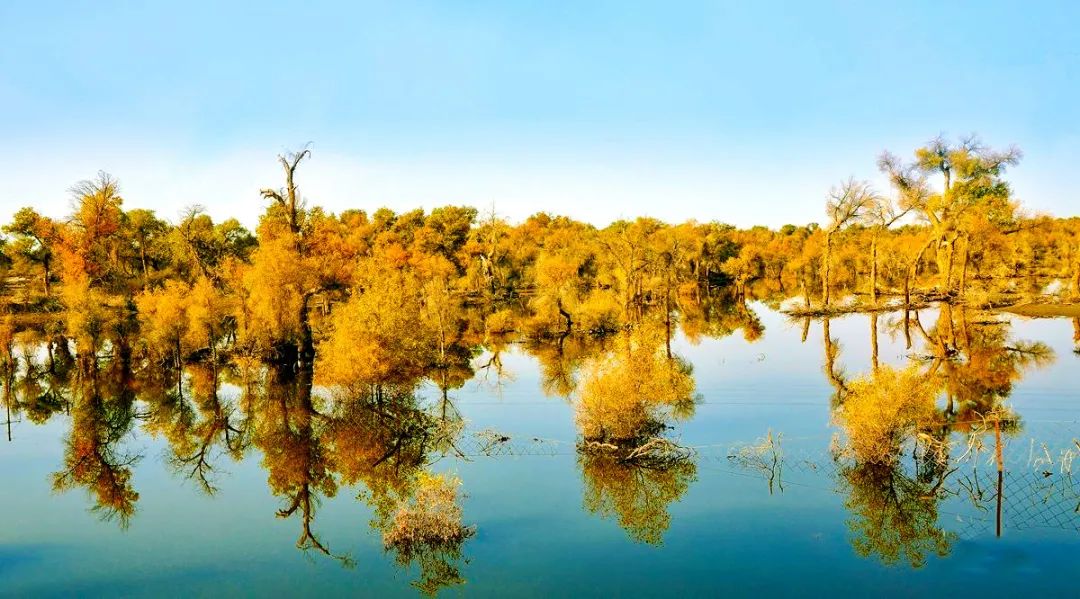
x: 624, y: 395
x: 637, y: 496
x: 432, y: 517
x: 88, y: 313
x: 163, y: 316
x: 275, y: 285
x: 379, y: 335
x: 883, y: 409
x: 208, y: 307
x: 427, y: 530
x: 600, y: 312
x: 502, y: 321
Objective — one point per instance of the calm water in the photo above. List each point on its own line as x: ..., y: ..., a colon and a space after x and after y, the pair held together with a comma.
x: 552, y: 521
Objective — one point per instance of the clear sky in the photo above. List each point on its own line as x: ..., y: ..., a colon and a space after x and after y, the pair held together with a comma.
x: 744, y: 112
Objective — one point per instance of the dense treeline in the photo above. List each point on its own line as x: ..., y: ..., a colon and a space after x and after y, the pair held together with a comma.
x: 949, y: 229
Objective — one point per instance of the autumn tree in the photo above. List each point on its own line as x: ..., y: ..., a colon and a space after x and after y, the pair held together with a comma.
x: 95, y: 458
x: 427, y: 530
x: 378, y: 336
x: 490, y: 265
x: 35, y: 239
x: 882, y: 410
x: 95, y: 233
x: 846, y: 205
x: 971, y: 176
x: 882, y: 213
x: 201, y: 248
x: 637, y: 495
x: 148, y: 235
x: 300, y: 256
x: 563, y: 270
x: 626, y: 396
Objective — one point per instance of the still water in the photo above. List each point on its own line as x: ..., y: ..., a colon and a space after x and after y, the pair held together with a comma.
x: 739, y: 517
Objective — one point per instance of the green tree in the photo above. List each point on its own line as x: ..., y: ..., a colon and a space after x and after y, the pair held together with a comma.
x: 35, y: 238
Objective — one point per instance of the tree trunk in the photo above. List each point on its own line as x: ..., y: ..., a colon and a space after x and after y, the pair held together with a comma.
x: 1000, y: 469
x: 179, y: 375
x: 307, y: 339
x: 1076, y: 281
x: 874, y: 340
x: 873, y: 269
x: 8, y: 400
x: 142, y: 259
x: 949, y: 264
x: 907, y: 327
x: 913, y: 270
x: 964, y: 266
x: 949, y: 320
x: 825, y: 270
x: 830, y: 357
x: 46, y: 275
x: 667, y: 319
x: 565, y: 314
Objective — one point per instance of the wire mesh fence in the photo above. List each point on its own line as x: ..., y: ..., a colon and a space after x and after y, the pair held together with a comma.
x: 1037, y: 488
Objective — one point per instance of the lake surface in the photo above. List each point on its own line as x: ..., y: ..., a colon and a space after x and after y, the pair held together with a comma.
x: 736, y: 518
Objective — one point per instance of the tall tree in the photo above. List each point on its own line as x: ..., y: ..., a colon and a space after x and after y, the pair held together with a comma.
x: 882, y: 213
x: 94, y: 241
x: 846, y: 205
x: 971, y: 179
x: 288, y: 198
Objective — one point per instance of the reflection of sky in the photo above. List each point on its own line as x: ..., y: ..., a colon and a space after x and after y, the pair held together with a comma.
x: 534, y: 538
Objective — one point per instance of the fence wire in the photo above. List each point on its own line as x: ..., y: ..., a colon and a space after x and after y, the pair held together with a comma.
x: 1039, y: 490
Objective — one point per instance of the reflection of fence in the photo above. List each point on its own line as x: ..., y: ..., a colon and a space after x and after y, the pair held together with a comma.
x: 1039, y: 490
x: 493, y: 444
x: 1038, y: 500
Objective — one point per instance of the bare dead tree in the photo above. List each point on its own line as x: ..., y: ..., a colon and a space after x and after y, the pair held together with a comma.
x: 288, y: 197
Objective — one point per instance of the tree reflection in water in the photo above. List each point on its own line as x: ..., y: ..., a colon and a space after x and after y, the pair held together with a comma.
x: 357, y: 422
x: 427, y: 530
x: 102, y: 415
x: 627, y: 398
x: 352, y: 417
x: 636, y: 492
x: 904, y: 430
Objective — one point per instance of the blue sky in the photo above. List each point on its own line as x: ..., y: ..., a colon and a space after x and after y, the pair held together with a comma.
x: 741, y: 112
